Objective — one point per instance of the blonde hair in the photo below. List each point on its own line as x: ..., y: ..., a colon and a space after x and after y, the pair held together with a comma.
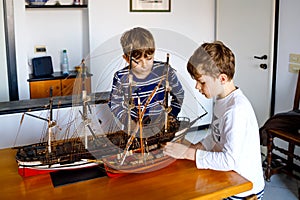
x: 137, y: 42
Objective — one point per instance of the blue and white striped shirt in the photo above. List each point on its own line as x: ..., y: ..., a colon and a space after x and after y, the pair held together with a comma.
x: 143, y: 88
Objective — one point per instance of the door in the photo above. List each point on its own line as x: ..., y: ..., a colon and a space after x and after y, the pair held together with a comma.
x: 246, y: 27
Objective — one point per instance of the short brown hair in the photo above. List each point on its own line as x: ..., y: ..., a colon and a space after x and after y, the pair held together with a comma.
x: 213, y: 59
x: 137, y: 41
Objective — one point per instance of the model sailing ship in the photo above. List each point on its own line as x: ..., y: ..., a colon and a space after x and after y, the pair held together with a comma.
x: 68, y: 153
x: 148, y: 155
x: 120, y: 151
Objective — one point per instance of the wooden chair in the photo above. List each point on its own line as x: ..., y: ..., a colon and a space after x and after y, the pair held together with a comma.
x: 285, y: 126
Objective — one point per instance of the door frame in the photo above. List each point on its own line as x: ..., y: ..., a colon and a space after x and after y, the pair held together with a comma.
x: 8, y: 10
x: 275, y: 46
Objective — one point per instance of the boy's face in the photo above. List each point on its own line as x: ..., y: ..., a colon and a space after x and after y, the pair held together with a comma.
x: 142, y: 66
x: 209, y: 86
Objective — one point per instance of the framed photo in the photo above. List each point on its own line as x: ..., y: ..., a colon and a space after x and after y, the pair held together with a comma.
x: 150, y: 5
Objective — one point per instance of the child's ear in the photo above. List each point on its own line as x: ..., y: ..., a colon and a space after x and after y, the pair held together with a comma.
x: 223, y: 78
x: 126, y: 58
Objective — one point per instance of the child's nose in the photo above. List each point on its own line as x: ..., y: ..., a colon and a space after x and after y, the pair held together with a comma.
x: 143, y: 62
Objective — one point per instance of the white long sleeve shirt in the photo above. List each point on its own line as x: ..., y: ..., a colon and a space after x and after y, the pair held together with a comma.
x: 234, y: 142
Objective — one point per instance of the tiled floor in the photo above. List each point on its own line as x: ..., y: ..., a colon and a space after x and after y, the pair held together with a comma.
x: 281, y: 187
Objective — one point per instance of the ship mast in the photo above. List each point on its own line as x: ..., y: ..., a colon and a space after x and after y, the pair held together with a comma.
x: 51, y: 124
x: 85, y: 106
x: 130, y: 106
x: 50, y: 121
x: 167, y: 95
x: 141, y: 126
x: 84, y: 101
x: 141, y: 113
x: 130, y: 84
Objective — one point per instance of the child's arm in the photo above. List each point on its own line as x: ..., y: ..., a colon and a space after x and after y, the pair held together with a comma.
x: 179, y: 151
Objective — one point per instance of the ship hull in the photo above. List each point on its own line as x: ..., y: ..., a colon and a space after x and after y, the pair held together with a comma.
x: 70, y: 154
x: 27, y: 169
x: 134, y: 164
x: 66, y: 155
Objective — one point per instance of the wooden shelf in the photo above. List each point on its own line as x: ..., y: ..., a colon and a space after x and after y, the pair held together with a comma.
x: 56, y: 6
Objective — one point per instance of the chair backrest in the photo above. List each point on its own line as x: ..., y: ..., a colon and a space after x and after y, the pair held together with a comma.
x: 297, y: 94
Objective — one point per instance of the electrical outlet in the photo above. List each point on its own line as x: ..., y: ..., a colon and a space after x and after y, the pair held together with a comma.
x: 294, y: 68
x: 294, y: 58
x: 40, y: 49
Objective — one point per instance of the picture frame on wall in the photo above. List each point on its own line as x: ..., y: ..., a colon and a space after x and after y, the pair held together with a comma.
x: 150, y: 5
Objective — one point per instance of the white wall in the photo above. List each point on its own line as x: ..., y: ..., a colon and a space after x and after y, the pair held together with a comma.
x: 29, y: 133
x: 76, y: 29
x: 178, y: 32
x: 289, y: 31
x: 28, y: 130
x: 194, y: 19
x: 188, y: 24
x: 58, y: 29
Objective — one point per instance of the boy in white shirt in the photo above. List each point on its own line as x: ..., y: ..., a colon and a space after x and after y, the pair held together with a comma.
x: 234, y: 140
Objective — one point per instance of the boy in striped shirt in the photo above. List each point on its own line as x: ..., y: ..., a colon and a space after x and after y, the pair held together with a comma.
x: 142, y: 84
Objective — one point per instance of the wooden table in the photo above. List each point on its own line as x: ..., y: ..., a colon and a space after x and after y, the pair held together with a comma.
x: 180, y: 180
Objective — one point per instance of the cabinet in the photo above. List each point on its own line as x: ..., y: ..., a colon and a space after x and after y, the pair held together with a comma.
x: 61, y: 85
x: 67, y: 86
x: 41, y: 89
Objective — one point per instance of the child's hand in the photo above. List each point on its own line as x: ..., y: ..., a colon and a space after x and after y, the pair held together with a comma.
x: 179, y: 151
